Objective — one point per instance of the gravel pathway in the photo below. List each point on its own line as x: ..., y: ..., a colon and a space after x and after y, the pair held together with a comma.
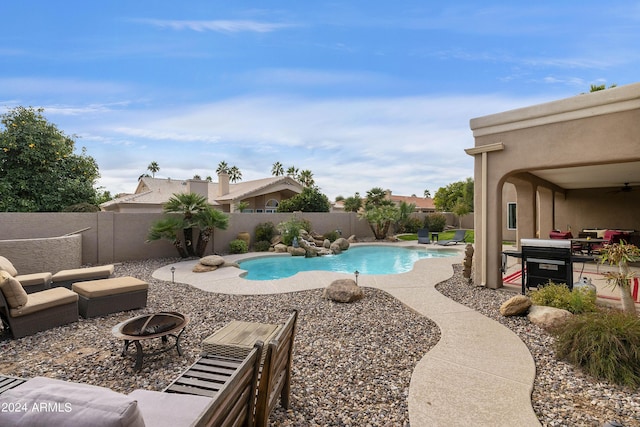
x: 352, y: 362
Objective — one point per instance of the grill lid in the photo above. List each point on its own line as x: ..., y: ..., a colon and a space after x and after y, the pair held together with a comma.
x: 547, y: 243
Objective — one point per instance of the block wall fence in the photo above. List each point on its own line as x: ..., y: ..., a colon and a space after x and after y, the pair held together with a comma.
x: 36, y: 242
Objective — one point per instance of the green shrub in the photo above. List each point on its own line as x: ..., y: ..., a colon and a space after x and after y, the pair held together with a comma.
x: 265, y: 231
x: 291, y: 228
x: 412, y: 225
x: 605, y: 344
x: 331, y: 235
x: 580, y: 300
x: 238, y: 247
x: 435, y: 222
x: 261, y: 246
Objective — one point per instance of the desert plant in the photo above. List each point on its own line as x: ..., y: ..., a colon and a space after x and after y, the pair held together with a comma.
x: 291, y: 228
x: 332, y: 236
x: 265, y: 231
x: 621, y: 254
x: 605, y: 344
x: 579, y: 300
x: 167, y: 228
x: 261, y: 246
x: 412, y: 225
x: 238, y: 246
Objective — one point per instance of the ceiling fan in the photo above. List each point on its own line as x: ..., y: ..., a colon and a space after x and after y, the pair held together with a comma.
x: 626, y: 188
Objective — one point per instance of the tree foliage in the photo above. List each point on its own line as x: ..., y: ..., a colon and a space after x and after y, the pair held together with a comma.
x: 39, y: 171
x: 456, y: 196
x: 353, y: 203
x: 310, y: 200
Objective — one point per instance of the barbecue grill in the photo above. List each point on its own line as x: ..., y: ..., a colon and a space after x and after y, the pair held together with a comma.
x: 545, y: 260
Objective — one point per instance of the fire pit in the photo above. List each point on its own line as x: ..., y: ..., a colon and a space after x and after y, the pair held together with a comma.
x: 158, y: 325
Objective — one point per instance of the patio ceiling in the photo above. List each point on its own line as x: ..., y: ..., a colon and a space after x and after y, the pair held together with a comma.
x: 593, y: 176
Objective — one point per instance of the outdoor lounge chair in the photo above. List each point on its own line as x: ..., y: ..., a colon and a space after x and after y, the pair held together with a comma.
x: 31, y: 283
x: 423, y: 235
x: 458, y: 237
x: 25, y: 314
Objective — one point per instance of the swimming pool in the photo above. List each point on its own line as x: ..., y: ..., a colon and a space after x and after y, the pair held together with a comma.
x: 378, y: 259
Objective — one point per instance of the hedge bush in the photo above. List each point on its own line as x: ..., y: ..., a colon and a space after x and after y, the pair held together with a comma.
x: 238, y: 246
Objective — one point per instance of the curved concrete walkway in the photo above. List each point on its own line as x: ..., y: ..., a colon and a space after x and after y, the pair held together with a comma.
x: 479, y: 374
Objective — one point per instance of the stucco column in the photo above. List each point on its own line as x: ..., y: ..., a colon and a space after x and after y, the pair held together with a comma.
x: 526, y: 210
x: 487, y: 218
x: 545, y: 211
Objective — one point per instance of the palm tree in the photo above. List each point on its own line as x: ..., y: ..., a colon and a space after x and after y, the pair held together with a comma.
x: 380, y: 218
x: 223, y: 167
x: 167, y: 228
x: 207, y: 220
x: 427, y: 194
x: 306, y: 178
x: 277, y: 169
x: 377, y: 197
x: 187, y: 204
x: 292, y: 171
x: 234, y: 174
x: 153, y: 168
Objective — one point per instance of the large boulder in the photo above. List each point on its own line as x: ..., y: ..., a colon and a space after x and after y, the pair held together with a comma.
x: 296, y: 251
x: 280, y: 248
x: 201, y: 268
x: 515, y: 306
x: 343, y: 290
x: 342, y: 243
x: 548, y: 317
x: 212, y: 260
x: 335, y: 248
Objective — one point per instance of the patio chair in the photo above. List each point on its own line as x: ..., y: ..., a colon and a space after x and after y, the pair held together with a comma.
x: 25, y: 314
x: 31, y: 283
x: 458, y: 237
x: 423, y: 235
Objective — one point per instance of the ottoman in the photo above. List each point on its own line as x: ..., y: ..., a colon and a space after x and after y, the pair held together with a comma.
x: 100, y: 297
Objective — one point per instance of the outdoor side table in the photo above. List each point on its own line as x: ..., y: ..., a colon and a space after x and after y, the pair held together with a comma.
x: 236, y: 339
x: 158, y: 325
x: 434, y: 236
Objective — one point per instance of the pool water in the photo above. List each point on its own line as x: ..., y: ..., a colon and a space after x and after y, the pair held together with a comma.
x: 365, y: 259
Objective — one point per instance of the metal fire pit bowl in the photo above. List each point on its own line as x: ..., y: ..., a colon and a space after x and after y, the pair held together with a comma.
x: 158, y: 325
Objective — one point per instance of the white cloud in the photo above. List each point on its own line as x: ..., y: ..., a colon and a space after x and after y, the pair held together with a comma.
x: 406, y: 144
x: 220, y: 26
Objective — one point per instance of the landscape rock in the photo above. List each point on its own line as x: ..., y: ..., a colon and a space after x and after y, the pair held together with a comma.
x: 342, y: 243
x: 343, y: 290
x: 335, y: 248
x: 201, y: 268
x: 548, y: 317
x: 296, y: 251
x: 212, y: 260
x: 280, y: 248
x: 515, y: 306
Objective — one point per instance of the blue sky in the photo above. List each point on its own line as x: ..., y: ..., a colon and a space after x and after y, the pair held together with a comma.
x: 362, y: 93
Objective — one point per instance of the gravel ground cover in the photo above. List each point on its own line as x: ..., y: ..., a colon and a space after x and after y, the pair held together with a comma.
x: 352, y: 362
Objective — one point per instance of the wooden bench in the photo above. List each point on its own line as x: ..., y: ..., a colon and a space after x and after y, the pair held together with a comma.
x: 231, y: 383
x: 7, y: 383
x: 275, y: 378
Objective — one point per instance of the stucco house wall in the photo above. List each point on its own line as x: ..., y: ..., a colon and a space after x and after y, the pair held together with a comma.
x: 592, y: 129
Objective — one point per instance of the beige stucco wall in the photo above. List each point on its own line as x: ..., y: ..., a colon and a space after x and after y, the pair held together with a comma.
x: 50, y: 254
x: 597, y: 128
x: 109, y: 237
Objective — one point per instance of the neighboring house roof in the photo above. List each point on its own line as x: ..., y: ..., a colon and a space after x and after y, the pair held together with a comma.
x: 157, y: 191
x: 422, y: 203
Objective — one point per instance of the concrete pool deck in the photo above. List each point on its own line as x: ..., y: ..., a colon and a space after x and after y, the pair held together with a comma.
x: 480, y: 373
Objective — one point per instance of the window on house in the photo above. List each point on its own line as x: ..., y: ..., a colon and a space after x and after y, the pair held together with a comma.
x: 511, y: 216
